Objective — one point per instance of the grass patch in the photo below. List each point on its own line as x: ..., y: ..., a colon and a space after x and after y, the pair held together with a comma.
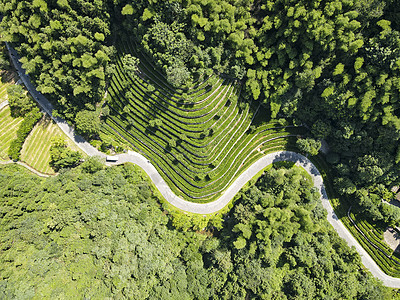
x: 8, y: 133
x: 7, y: 78
x: 36, y: 149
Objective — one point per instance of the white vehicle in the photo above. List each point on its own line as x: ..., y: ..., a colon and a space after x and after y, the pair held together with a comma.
x: 112, y: 158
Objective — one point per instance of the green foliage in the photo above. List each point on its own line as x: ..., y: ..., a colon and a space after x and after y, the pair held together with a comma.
x: 280, y: 222
x: 130, y: 64
x: 309, y: 146
x: 104, y: 235
x: 61, y: 156
x: 178, y: 75
x: 26, y: 126
x: 93, y: 164
x: 338, y: 69
x: 197, y: 138
x: 87, y: 122
x: 321, y: 129
x: 62, y: 45
x: 20, y: 103
x: 397, y: 157
x: 4, y: 59
x: 344, y: 186
x: 332, y: 65
x: 127, y: 10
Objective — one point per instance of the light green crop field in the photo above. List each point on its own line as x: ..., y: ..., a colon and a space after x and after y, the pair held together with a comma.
x: 6, y: 78
x: 8, y: 131
x: 200, y: 139
x: 36, y: 149
x: 8, y: 124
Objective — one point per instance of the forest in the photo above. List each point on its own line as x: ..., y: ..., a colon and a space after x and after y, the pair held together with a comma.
x: 95, y: 232
x: 329, y: 69
x: 332, y: 66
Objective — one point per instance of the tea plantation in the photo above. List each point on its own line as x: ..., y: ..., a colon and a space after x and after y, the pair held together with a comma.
x: 200, y: 139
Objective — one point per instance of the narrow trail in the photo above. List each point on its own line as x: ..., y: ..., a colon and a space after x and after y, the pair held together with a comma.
x: 8, y: 162
x: 232, y: 190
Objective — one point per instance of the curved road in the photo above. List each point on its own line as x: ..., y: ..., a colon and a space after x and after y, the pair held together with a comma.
x: 228, y: 195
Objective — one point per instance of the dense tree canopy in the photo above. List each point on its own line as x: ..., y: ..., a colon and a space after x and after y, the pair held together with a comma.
x: 87, y: 122
x: 20, y: 103
x: 333, y: 66
x: 101, y: 233
x: 62, y: 48
x: 61, y: 156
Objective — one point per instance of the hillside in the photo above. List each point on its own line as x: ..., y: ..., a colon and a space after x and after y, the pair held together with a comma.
x: 103, y: 234
x: 201, y: 139
x: 202, y: 89
x: 332, y: 66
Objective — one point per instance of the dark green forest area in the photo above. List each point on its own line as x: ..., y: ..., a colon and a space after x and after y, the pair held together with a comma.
x: 331, y: 65
x: 101, y: 233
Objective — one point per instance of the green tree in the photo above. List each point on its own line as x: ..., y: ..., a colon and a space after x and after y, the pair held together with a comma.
x: 20, y: 103
x: 61, y: 156
x: 87, y: 123
x: 131, y: 65
x: 93, y: 164
x: 344, y: 186
x: 309, y: 146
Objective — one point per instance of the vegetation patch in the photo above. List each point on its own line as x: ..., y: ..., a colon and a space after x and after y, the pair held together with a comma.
x: 190, y: 79
x: 7, y: 79
x: 36, y: 149
x: 200, y: 139
x: 368, y: 234
x: 100, y: 232
x: 26, y: 126
x: 9, y: 127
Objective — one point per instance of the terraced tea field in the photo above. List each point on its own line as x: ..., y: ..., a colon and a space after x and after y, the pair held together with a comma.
x: 36, y: 149
x: 7, y: 78
x: 8, y: 125
x: 199, y: 139
x: 8, y: 131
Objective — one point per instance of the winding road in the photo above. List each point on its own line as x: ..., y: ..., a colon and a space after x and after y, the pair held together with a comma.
x: 228, y: 195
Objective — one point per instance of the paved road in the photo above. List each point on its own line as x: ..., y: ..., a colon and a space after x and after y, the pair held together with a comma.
x: 48, y: 107
x: 227, y: 196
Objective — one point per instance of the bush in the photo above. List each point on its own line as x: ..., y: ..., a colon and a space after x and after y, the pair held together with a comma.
x: 309, y: 146
x: 14, y: 152
x: 87, y: 123
x: 20, y: 103
x: 61, y: 156
x: 92, y: 165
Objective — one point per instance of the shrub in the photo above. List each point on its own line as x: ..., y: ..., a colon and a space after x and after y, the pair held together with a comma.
x: 14, y: 152
x: 92, y: 165
x: 20, y: 103
x: 87, y: 123
x: 61, y: 156
x: 309, y: 146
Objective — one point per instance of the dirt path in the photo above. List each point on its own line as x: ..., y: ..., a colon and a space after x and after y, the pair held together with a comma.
x: 26, y: 166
